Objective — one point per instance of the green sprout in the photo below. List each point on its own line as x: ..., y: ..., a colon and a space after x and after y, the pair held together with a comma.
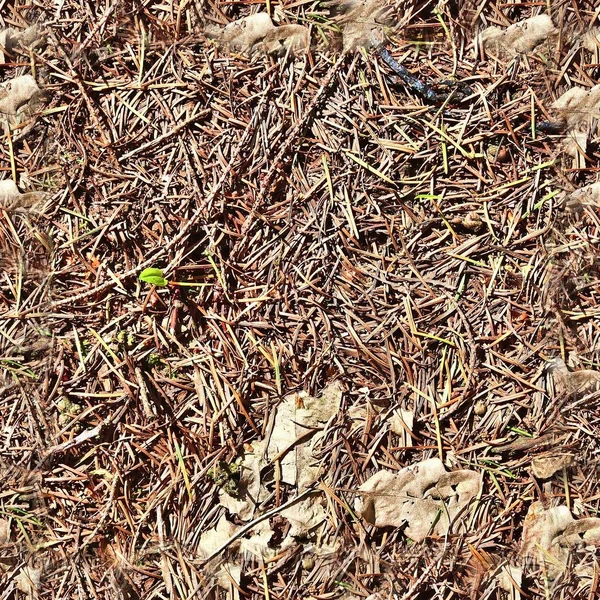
x: 156, y: 277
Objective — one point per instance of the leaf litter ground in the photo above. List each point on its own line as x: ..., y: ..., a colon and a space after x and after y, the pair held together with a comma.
x: 398, y: 305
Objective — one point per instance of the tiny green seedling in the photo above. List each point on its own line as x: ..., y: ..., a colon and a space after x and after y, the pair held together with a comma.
x: 156, y: 277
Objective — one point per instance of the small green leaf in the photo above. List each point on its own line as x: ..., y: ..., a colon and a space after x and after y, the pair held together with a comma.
x: 154, y: 277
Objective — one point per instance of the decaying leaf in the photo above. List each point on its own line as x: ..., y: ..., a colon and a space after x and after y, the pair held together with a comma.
x: 12, y: 199
x: 28, y: 581
x: 244, y: 33
x: 16, y: 93
x: 550, y: 535
x: 292, y: 39
x: 257, y: 543
x: 588, y: 195
x: 250, y: 490
x: 424, y: 498
x: 510, y: 579
x: 212, y: 539
x: 362, y: 21
x: 12, y: 38
x: 577, y: 106
x: 295, y: 433
x: 544, y: 467
x: 4, y: 531
x: 519, y: 38
x: 590, y: 40
x: 19, y: 100
x: 304, y: 516
x: 574, y: 144
x: 579, y: 383
x: 401, y: 423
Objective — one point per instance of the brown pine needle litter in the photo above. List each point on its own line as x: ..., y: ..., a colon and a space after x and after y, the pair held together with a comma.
x: 376, y: 226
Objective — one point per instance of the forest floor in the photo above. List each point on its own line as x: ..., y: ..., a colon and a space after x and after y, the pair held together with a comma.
x: 380, y: 379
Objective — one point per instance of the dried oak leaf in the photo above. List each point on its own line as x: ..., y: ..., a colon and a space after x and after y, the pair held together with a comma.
x: 423, y: 497
x: 580, y: 383
x: 518, y: 38
x: 577, y: 106
x: 296, y: 431
x: 244, y: 33
x: 361, y: 21
x: 543, y: 467
x: 19, y: 98
x: 12, y: 38
x: 304, y: 516
x: 12, y: 199
x: 292, y: 39
x: 28, y: 581
x: 590, y: 40
x: 251, y: 492
x: 551, y: 535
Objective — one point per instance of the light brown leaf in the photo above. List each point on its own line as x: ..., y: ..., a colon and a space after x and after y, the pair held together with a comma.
x: 16, y: 93
x: 28, y: 581
x: 543, y: 467
x: 579, y: 383
x: 577, y: 106
x: 304, y: 516
x: 549, y: 536
x: 12, y: 38
x: 423, y: 497
x: 244, y: 33
x: 292, y: 39
x: 12, y: 199
x: 295, y: 433
x: 362, y: 21
x: 588, y: 195
x: 518, y: 38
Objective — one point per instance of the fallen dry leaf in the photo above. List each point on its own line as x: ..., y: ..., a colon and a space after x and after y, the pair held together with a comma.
x: 12, y: 38
x: 295, y: 433
x: 588, y: 195
x: 577, y: 106
x: 550, y: 535
x: 251, y: 492
x: 20, y: 98
x: 585, y: 381
x: 424, y: 498
x: 212, y: 539
x: 361, y: 21
x: 228, y: 574
x: 16, y: 93
x: 590, y: 40
x: 543, y: 467
x: 244, y: 33
x: 257, y: 543
x: 518, y: 38
x: 12, y: 199
x: 304, y: 516
x: 510, y: 579
x: 292, y: 39
x: 28, y: 581
x: 4, y: 531
x: 401, y: 423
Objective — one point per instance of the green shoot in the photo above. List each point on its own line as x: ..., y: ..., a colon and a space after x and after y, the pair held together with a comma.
x: 156, y: 277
